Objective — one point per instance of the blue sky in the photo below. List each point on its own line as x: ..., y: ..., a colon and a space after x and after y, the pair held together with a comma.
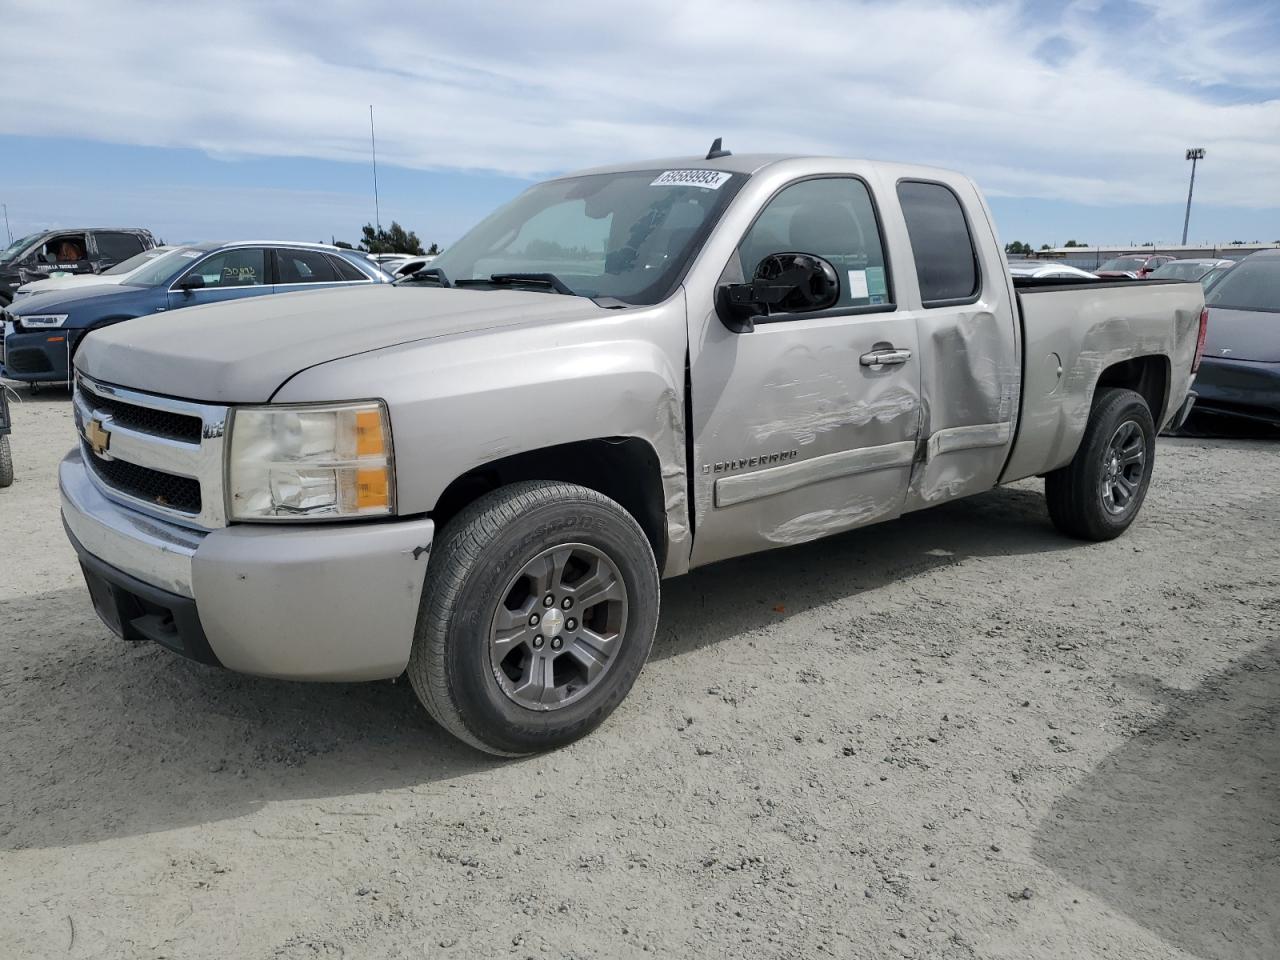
x: 254, y: 121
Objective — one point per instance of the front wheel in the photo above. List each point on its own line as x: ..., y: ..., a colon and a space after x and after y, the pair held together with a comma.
x: 1098, y: 494
x: 539, y: 610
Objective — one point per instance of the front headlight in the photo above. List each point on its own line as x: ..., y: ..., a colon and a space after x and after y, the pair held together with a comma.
x: 42, y: 320
x: 311, y: 462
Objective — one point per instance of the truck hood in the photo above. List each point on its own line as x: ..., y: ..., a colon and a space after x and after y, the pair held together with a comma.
x: 1243, y: 335
x: 243, y: 351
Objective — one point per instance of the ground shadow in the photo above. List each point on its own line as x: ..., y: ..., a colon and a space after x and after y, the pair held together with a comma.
x: 43, y: 393
x: 116, y: 739
x: 1179, y: 829
x: 719, y: 601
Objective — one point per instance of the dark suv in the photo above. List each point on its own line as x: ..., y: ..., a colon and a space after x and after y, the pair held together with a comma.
x: 82, y: 250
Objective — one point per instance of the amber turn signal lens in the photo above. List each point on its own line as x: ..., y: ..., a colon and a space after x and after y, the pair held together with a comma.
x: 369, y: 439
x: 373, y: 491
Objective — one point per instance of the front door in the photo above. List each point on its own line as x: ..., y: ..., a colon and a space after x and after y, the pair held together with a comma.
x: 806, y: 425
x: 226, y: 275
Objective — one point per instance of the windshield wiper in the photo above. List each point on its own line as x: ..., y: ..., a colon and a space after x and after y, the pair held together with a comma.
x: 425, y: 274
x: 548, y: 280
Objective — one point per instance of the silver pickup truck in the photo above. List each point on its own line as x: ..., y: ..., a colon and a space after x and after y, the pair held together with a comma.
x: 481, y: 475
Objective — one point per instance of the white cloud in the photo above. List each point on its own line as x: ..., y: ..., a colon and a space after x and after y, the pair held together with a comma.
x: 535, y: 88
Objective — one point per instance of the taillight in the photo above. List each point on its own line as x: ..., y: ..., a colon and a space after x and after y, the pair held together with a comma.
x: 1200, y: 338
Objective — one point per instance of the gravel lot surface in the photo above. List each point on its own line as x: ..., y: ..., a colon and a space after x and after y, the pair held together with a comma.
x: 957, y: 735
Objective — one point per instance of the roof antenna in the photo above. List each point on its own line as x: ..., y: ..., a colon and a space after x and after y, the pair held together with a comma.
x: 716, y: 151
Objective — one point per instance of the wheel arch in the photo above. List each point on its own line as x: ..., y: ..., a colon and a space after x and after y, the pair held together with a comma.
x: 1148, y: 376
x: 626, y: 469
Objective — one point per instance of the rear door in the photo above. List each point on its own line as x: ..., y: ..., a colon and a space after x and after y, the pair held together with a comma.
x: 969, y: 361
x: 230, y: 274
x: 806, y: 425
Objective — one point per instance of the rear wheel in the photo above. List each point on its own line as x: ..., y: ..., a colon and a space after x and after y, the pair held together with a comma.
x: 540, y: 608
x: 1098, y: 494
x: 6, y: 462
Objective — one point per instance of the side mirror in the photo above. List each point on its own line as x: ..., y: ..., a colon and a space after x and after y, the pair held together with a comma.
x: 192, y: 281
x: 783, y: 283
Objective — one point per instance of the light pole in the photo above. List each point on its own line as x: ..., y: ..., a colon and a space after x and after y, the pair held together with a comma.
x: 1193, y: 154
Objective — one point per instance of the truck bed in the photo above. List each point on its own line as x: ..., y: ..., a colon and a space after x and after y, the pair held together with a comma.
x: 1073, y: 332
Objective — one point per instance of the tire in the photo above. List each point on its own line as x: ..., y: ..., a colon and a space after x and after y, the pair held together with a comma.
x: 493, y: 566
x: 6, y: 463
x: 1087, y: 498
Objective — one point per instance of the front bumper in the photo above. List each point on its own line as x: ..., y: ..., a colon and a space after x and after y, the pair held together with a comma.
x: 318, y: 602
x: 39, y: 356
x: 1249, y: 389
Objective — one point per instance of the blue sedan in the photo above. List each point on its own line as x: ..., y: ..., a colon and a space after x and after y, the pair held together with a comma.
x: 46, y: 328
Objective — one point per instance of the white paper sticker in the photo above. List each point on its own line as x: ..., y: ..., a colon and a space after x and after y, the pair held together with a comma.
x: 858, y: 285
x: 707, y: 179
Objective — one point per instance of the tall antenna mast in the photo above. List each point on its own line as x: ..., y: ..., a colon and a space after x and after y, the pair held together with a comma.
x: 7, y: 231
x: 373, y: 144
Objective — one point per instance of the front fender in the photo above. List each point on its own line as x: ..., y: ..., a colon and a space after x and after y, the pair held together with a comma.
x: 458, y: 403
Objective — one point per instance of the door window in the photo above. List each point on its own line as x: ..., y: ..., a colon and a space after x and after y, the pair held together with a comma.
x: 946, y: 261
x: 832, y: 218
x: 304, y: 266
x: 346, y: 271
x: 242, y: 267
x: 118, y: 246
x: 65, y: 248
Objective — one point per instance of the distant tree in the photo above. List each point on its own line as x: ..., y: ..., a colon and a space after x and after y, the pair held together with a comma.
x: 1075, y: 243
x: 1045, y: 246
x: 394, y: 239
x: 343, y: 245
x: 434, y: 250
x: 1018, y: 248
x: 1149, y: 244
x: 1237, y: 243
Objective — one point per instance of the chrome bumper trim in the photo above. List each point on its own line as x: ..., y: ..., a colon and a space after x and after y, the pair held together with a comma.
x: 151, y: 550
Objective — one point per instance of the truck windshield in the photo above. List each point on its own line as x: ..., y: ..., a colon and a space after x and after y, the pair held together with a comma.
x: 13, y: 249
x: 626, y: 236
x: 1253, y: 285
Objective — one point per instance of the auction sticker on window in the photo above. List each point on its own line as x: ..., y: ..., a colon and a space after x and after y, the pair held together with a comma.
x: 707, y: 179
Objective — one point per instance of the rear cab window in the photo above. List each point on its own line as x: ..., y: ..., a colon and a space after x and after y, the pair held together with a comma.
x: 829, y: 217
x: 116, y: 246
x: 942, y: 245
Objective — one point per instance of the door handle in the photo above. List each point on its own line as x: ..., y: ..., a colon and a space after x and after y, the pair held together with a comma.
x: 884, y: 358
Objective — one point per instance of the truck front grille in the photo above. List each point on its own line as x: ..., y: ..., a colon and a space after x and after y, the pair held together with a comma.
x: 165, y: 490
x: 159, y: 423
x: 157, y: 454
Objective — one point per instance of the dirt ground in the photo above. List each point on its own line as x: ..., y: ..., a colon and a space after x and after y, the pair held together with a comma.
x: 957, y: 735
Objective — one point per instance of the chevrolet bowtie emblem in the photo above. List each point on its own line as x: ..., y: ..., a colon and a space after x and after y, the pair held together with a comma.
x: 98, y: 437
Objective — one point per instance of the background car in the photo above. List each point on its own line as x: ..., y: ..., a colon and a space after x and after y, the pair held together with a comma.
x: 1189, y: 269
x: 1048, y: 270
x: 116, y: 274
x: 48, y: 327
x: 1132, y: 267
x: 1214, y: 275
x: 1240, y: 372
x: 81, y: 250
x: 410, y: 266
